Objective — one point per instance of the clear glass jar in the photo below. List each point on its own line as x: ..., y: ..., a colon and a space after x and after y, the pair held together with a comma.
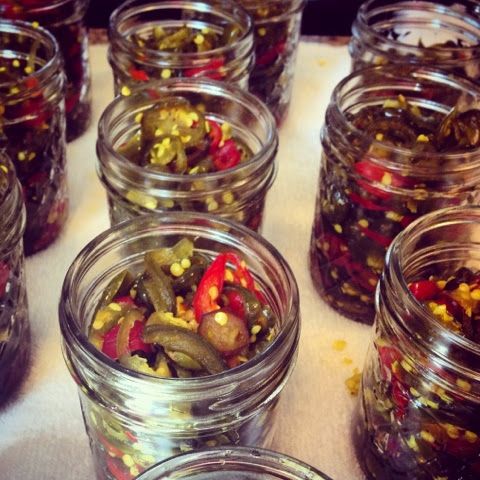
x: 135, y: 23
x: 14, y: 325
x: 32, y: 126
x: 135, y: 420
x: 277, y: 32
x: 420, y: 400
x: 226, y: 463
x: 66, y: 20
x: 440, y: 33
x: 236, y: 193
x: 369, y: 190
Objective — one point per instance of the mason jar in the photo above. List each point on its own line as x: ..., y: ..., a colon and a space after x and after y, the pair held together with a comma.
x: 236, y: 193
x: 369, y: 189
x: 134, y: 419
x: 277, y: 31
x: 225, y: 463
x: 32, y: 126
x: 14, y: 325
x: 437, y: 33
x: 180, y: 38
x: 420, y: 397
x: 66, y: 20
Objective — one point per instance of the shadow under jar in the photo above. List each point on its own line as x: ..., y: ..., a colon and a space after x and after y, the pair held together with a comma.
x: 32, y: 126
x: 159, y: 40
x: 277, y: 31
x: 14, y: 325
x: 419, y: 408
x: 225, y: 463
x: 444, y: 34
x: 134, y: 419
x: 139, y: 157
x: 65, y: 19
x: 397, y: 143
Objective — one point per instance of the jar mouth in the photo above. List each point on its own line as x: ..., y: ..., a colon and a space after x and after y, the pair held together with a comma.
x: 52, y: 63
x: 368, y: 11
x: 410, y: 81
x: 399, y: 263
x: 177, y: 86
x: 181, y: 223
x: 233, y: 460
x: 227, y: 10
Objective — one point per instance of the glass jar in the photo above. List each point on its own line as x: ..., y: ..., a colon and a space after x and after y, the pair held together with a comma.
x: 420, y: 399
x: 440, y: 33
x: 277, y: 32
x: 227, y: 462
x: 236, y: 193
x: 66, y: 20
x: 135, y: 420
x: 32, y: 126
x: 146, y: 42
x: 369, y: 190
x: 14, y: 325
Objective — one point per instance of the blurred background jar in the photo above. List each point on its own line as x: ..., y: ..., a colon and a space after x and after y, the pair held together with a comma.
x: 254, y: 464
x: 32, y: 126
x: 66, y: 20
x: 159, y: 40
x: 14, y: 325
x: 277, y: 32
x: 420, y: 399
x: 237, y: 191
x: 440, y: 33
x: 135, y: 420
x: 398, y: 142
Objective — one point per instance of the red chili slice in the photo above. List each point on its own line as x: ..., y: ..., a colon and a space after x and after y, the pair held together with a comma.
x: 378, y: 238
x: 366, y: 203
x: 215, y: 134
x: 241, y: 273
x: 117, y: 469
x: 227, y: 156
x: 236, y: 303
x: 139, y: 75
x: 135, y: 342
x: 210, y: 70
x: 269, y: 57
x: 424, y: 289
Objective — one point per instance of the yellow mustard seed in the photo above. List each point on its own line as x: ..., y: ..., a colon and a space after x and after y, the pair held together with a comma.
x: 353, y: 383
x: 470, y: 437
x: 395, y: 216
x: 387, y: 178
x: 412, y: 443
x: 475, y: 294
x: 176, y: 269
x: 128, y: 460
x: 363, y: 223
x: 185, y: 263
x: 228, y: 198
x: 213, y: 292
x: 464, y: 288
x: 427, y: 436
x: 379, y: 137
x: 199, y: 39
x: 243, y: 283
x: 97, y: 323
x: 255, y: 329
x: 138, y: 117
x: 35, y: 24
x: 14, y: 90
x: 228, y: 276
x: 166, y: 73
x: 212, y: 206
x: 21, y: 156
x: 16, y: 63
x: 31, y: 156
x: 4, y: 168
x: 221, y: 318
x: 185, y: 138
x: 390, y: 103
x: 115, y: 307
x: 423, y: 138
x: 338, y: 228
x: 125, y: 91
x: 28, y: 70
x: 463, y: 385
x: 262, y: 31
x: 441, y: 284
x: 452, y: 431
x: 134, y: 471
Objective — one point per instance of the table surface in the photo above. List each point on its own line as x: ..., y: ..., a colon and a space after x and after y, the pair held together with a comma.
x: 42, y: 434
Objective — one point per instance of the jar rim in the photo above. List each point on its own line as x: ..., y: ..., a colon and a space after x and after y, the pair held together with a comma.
x: 365, y: 12
x: 129, y: 9
x: 408, y: 71
x: 187, y: 222
x: 213, y: 88
x: 266, y: 461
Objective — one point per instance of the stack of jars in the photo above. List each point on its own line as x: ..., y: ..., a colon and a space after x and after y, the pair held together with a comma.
x: 401, y: 142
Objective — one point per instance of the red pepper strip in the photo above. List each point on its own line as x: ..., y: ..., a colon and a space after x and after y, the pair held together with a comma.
x: 209, y: 70
x: 376, y: 192
x: 360, y: 275
x: 375, y: 173
x: 378, y: 238
x: 112, y: 450
x: 424, y: 289
x: 139, y: 75
x: 126, y: 300
x: 241, y: 272
x: 270, y: 55
x: 4, y: 275
x: 212, y: 278
x: 366, y: 203
x: 117, y: 469
x: 135, y: 342
x: 236, y: 303
x: 227, y: 156
x: 215, y: 135
x: 388, y: 356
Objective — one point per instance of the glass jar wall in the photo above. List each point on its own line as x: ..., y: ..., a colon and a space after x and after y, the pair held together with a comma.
x: 397, y: 143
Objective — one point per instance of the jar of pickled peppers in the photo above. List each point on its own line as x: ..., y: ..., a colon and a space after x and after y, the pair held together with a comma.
x: 418, y: 415
x: 437, y: 33
x: 32, y: 126
x: 226, y: 463
x: 181, y: 331
x: 398, y: 142
x: 277, y: 31
x: 65, y: 19
x: 187, y: 144
x: 189, y: 39
x: 14, y: 325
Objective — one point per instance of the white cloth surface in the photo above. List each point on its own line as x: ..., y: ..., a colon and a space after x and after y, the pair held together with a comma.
x: 42, y: 436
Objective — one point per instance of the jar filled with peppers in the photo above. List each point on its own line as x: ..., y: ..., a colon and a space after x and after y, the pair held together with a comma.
x: 277, y: 32
x: 398, y: 142
x: 183, y: 38
x: 225, y: 463
x: 419, y: 411
x: 65, y: 19
x: 32, y: 126
x: 438, y: 33
x: 181, y: 331
x: 187, y: 144
x: 14, y: 325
